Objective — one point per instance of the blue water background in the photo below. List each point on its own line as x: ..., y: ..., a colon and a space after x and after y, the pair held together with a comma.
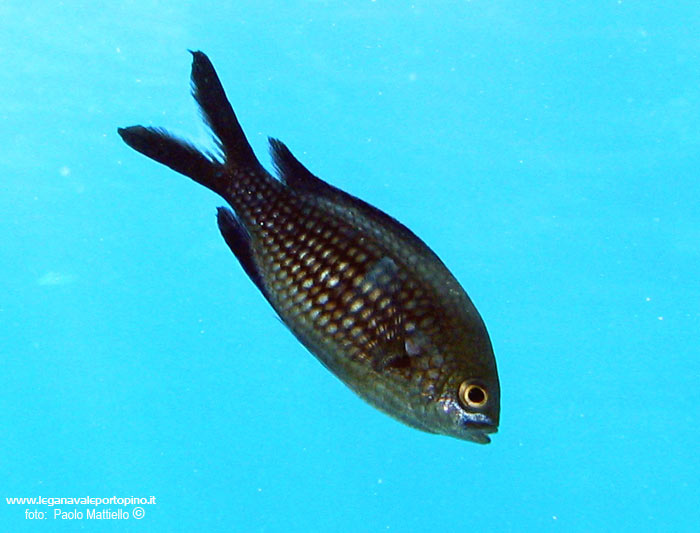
x: 547, y: 151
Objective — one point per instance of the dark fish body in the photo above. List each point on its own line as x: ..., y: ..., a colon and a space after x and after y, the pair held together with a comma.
x: 366, y: 296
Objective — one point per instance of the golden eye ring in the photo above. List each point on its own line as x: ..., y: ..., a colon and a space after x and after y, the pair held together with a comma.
x: 472, y: 395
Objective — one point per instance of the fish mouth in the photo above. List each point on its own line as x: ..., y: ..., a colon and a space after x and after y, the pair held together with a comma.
x: 478, y: 426
x: 479, y: 434
x: 470, y: 426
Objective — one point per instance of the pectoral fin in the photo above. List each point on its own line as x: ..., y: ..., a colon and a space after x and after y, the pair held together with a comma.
x: 380, y: 286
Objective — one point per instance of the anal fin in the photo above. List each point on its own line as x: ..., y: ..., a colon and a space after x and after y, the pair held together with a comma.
x: 238, y: 241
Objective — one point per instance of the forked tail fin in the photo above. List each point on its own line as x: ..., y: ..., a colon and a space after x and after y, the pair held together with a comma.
x: 219, y: 115
x: 175, y: 153
x: 182, y: 156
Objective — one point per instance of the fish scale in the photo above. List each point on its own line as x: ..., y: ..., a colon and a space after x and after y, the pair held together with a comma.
x: 366, y: 296
x: 316, y: 276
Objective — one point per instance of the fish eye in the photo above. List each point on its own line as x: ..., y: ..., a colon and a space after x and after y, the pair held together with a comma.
x: 472, y: 395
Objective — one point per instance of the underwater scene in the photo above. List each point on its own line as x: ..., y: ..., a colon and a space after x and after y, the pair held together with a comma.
x: 338, y: 266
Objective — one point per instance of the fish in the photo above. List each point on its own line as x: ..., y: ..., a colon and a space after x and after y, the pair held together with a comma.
x: 366, y: 296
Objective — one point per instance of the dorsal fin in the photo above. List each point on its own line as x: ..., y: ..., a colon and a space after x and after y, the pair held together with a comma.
x: 290, y: 170
x: 299, y: 178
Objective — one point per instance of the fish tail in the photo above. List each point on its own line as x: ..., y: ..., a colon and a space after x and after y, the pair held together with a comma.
x: 183, y: 157
x: 175, y: 153
x: 218, y: 114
